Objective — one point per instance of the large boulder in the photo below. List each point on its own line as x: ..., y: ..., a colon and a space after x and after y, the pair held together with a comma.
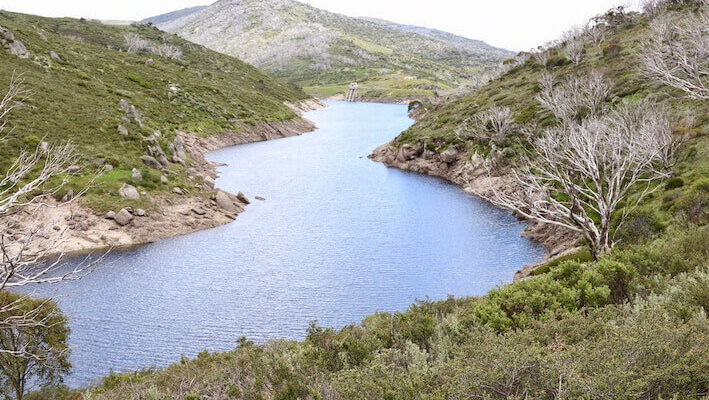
x: 123, y: 217
x: 406, y: 152
x: 225, y: 202
x: 151, y: 162
x: 178, y: 149
x: 242, y: 198
x: 450, y: 155
x: 18, y: 49
x: 129, y: 192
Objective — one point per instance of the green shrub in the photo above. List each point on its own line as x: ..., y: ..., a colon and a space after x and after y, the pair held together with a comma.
x: 674, y: 183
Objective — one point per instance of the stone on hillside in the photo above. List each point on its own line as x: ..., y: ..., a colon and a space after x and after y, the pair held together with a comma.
x: 108, y: 167
x: 224, y: 201
x: 72, y: 169
x: 177, y: 190
x: 198, y: 211
x: 151, y: 162
x: 149, y: 61
x: 139, y: 212
x: 122, y: 130
x: 450, y: 155
x: 136, y: 175
x: 18, y: 49
x: 129, y: 192
x: 178, y: 148
x: 68, y: 196
x: 163, y: 179
x: 242, y: 198
x: 7, y: 35
x: 123, y: 217
x: 110, y: 215
x: 44, y: 146
x: 209, y: 181
x: 53, y: 54
x: 124, y: 105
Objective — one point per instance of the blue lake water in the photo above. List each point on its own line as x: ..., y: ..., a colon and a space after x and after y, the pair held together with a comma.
x: 339, y: 237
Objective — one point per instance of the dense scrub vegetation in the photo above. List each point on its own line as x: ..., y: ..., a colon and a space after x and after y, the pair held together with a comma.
x: 84, y: 76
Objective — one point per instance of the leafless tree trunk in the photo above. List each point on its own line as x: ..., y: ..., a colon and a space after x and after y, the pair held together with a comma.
x: 677, y: 53
x: 579, y: 174
x: 574, y: 49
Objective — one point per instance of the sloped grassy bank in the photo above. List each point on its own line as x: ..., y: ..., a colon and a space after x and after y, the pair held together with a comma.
x: 136, y: 104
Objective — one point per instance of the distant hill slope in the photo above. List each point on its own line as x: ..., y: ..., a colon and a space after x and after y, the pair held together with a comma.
x: 83, y: 82
x: 324, y: 51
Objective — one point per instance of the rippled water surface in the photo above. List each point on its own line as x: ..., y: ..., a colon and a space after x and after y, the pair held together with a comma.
x: 338, y: 237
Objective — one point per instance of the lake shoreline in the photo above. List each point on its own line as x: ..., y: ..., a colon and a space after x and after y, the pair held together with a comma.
x: 474, y: 179
x: 82, y: 231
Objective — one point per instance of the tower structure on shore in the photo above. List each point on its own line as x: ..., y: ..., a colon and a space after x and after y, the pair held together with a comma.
x: 352, y: 92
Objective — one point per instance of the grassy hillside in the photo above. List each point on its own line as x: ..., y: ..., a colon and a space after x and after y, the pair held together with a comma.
x: 79, y: 71
x: 324, y: 51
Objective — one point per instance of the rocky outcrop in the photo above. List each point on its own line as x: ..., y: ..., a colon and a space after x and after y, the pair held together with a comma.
x: 472, y: 174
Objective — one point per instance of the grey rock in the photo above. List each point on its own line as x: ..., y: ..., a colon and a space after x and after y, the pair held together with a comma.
x: 177, y: 190
x: 136, y: 175
x: 129, y: 192
x: 151, y: 162
x: 209, y: 181
x: 224, y: 201
x: 7, y: 34
x: 450, y: 155
x: 72, y: 169
x: 406, y: 152
x: 242, y: 198
x: 122, y: 130
x: 163, y: 179
x: 53, y: 54
x: 108, y: 167
x: 178, y: 148
x: 68, y: 196
x: 110, y: 215
x: 123, y: 217
x: 44, y: 146
x: 198, y: 211
x: 18, y: 49
x: 139, y: 212
x: 149, y: 61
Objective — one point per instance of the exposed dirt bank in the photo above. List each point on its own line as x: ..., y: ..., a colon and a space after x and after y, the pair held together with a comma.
x: 471, y: 174
x: 201, y: 207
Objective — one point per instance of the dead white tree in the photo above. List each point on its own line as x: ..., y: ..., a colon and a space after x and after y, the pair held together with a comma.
x: 677, y: 54
x: 581, y: 174
x: 28, y: 185
x: 495, y: 123
x: 576, y: 97
x: 595, y: 32
x: 135, y: 43
x: 575, y: 51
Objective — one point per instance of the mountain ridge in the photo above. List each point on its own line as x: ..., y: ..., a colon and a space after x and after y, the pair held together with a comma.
x: 324, y: 51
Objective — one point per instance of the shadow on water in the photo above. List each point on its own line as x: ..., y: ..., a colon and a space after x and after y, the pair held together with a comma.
x: 339, y: 237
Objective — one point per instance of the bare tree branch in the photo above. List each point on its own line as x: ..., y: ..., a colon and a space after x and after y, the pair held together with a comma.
x: 677, y: 54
